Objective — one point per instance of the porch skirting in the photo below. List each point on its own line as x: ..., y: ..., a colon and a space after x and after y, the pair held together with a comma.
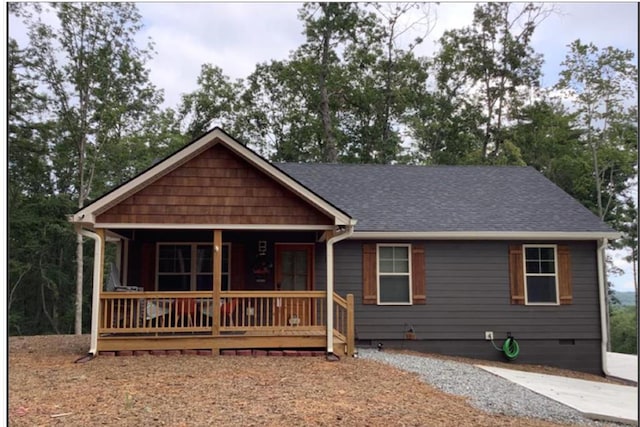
x: 313, y: 339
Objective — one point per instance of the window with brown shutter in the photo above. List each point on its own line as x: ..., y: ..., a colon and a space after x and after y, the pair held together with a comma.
x: 565, y: 286
x: 516, y: 274
x: 369, y: 269
x: 540, y: 274
x: 418, y: 274
x: 393, y: 274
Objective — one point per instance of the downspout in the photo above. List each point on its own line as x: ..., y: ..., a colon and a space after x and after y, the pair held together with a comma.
x: 602, y: 287
x: 330, y: 242
x: 95, y: 301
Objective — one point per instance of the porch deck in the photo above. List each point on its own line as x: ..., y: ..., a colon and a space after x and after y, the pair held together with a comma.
x: 189, y: 320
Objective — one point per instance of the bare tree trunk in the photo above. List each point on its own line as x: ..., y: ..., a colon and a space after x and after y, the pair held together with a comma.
x: 46, y: 282
x: 330, y: 150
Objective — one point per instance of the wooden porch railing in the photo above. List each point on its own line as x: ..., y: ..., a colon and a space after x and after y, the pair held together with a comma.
x: 268, y: 313
x: 344, y: 321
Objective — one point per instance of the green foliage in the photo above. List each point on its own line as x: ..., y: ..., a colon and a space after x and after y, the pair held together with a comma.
x: 41, y: 265
x: 624, y: 330
x: 80, y: 100
x: 212, y: 104
x: 97, y: 87
x: 604, y: 85
x: 482, y: 73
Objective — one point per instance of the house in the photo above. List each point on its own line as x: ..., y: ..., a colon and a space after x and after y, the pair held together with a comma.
x: 230, y: 251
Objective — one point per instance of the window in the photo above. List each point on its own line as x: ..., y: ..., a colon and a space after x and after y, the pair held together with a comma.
x: 189, y: 267
x: 394, y: 274
x: 540, y: 275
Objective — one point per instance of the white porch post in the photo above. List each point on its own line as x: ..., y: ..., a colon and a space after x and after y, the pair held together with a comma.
x: 341, y: 234
x: 329, y: 296
x: 98, y: 261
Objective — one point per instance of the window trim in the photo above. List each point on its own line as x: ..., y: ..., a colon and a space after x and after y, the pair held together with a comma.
x: 526, y: 275
x: 193, y: 273
x: 408, y: 274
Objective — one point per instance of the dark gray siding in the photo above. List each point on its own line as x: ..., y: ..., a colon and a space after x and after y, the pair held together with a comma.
x: 467, y: 288
x: 320, y: 267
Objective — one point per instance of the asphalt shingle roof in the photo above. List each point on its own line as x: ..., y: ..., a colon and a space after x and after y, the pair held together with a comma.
x: 446, y: 198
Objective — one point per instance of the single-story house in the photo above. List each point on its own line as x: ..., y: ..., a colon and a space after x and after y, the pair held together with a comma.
x: 217, y: 248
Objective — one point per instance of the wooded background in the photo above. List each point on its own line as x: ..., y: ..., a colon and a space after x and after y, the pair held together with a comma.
x: 84, y: 117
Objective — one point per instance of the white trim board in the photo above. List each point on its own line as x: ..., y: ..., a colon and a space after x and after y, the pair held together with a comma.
x: 482, y: 235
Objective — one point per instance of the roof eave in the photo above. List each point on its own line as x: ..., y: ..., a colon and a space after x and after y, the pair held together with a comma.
x: 487, y: 235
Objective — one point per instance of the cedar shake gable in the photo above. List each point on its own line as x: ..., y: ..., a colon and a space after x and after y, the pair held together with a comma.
x: 216, y: 187
x: 213, y: 181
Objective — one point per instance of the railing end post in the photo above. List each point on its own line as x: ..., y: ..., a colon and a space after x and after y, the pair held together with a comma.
x: 351, y: 325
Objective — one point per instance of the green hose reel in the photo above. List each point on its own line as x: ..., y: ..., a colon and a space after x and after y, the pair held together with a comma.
x: 510, y: 348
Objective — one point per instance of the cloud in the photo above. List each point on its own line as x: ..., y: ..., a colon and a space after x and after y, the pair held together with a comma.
x: 233, y: 36
x: 603, y: 24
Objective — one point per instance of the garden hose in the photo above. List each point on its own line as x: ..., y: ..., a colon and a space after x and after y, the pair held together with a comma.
x: 510, y: 348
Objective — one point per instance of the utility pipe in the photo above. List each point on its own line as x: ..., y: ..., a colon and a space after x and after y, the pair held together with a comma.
x: 602, y: 288
x: 330, y: 242
x: 97, y: 275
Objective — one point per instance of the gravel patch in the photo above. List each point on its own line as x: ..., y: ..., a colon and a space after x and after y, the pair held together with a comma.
x: 484, y: 390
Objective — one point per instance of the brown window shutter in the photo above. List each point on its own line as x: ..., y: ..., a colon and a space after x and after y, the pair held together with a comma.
x: 418, y: 274
x: 564, y: 275
x: 369, y: 269
x: 516, y: 274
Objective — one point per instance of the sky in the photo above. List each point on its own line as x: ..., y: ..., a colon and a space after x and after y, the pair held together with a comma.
x: 237, y: 36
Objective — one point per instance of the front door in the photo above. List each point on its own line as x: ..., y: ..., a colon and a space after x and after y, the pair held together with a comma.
x: 293, y: 272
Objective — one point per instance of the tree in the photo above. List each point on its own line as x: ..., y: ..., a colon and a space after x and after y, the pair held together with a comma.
x: 213, y: 103
x: 624, y: 330
x: 603, y: 85
x: 277, y: 114
x: 27, y: 130
x: 385, y: 82
x: 549, y: 140
x: 326, y: 26
x: 98, y: 93
x: 344, y: 95
x: 489, y: 67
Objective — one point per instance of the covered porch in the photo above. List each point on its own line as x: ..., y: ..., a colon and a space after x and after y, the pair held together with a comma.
x: 215, y: 248
x: 180, y: 289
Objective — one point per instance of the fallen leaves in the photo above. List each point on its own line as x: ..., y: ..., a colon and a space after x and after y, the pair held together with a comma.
x: 47, y: 388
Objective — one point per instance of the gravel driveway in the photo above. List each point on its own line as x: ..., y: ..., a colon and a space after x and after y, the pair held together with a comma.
x: 485, y: 391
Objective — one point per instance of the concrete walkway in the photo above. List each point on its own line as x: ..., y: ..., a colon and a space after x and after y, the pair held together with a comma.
x: 624, y: 366
x: 595, y: 400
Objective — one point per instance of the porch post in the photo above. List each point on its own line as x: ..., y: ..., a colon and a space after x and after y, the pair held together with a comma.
x: 98, y: 263
x: 100, y: 232
x: 217, y: 280
x: 330, y: 295
x: 334, y: 236
x: 98, y: 271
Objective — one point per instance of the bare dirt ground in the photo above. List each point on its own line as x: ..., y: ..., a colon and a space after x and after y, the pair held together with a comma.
x: 47, y: 388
